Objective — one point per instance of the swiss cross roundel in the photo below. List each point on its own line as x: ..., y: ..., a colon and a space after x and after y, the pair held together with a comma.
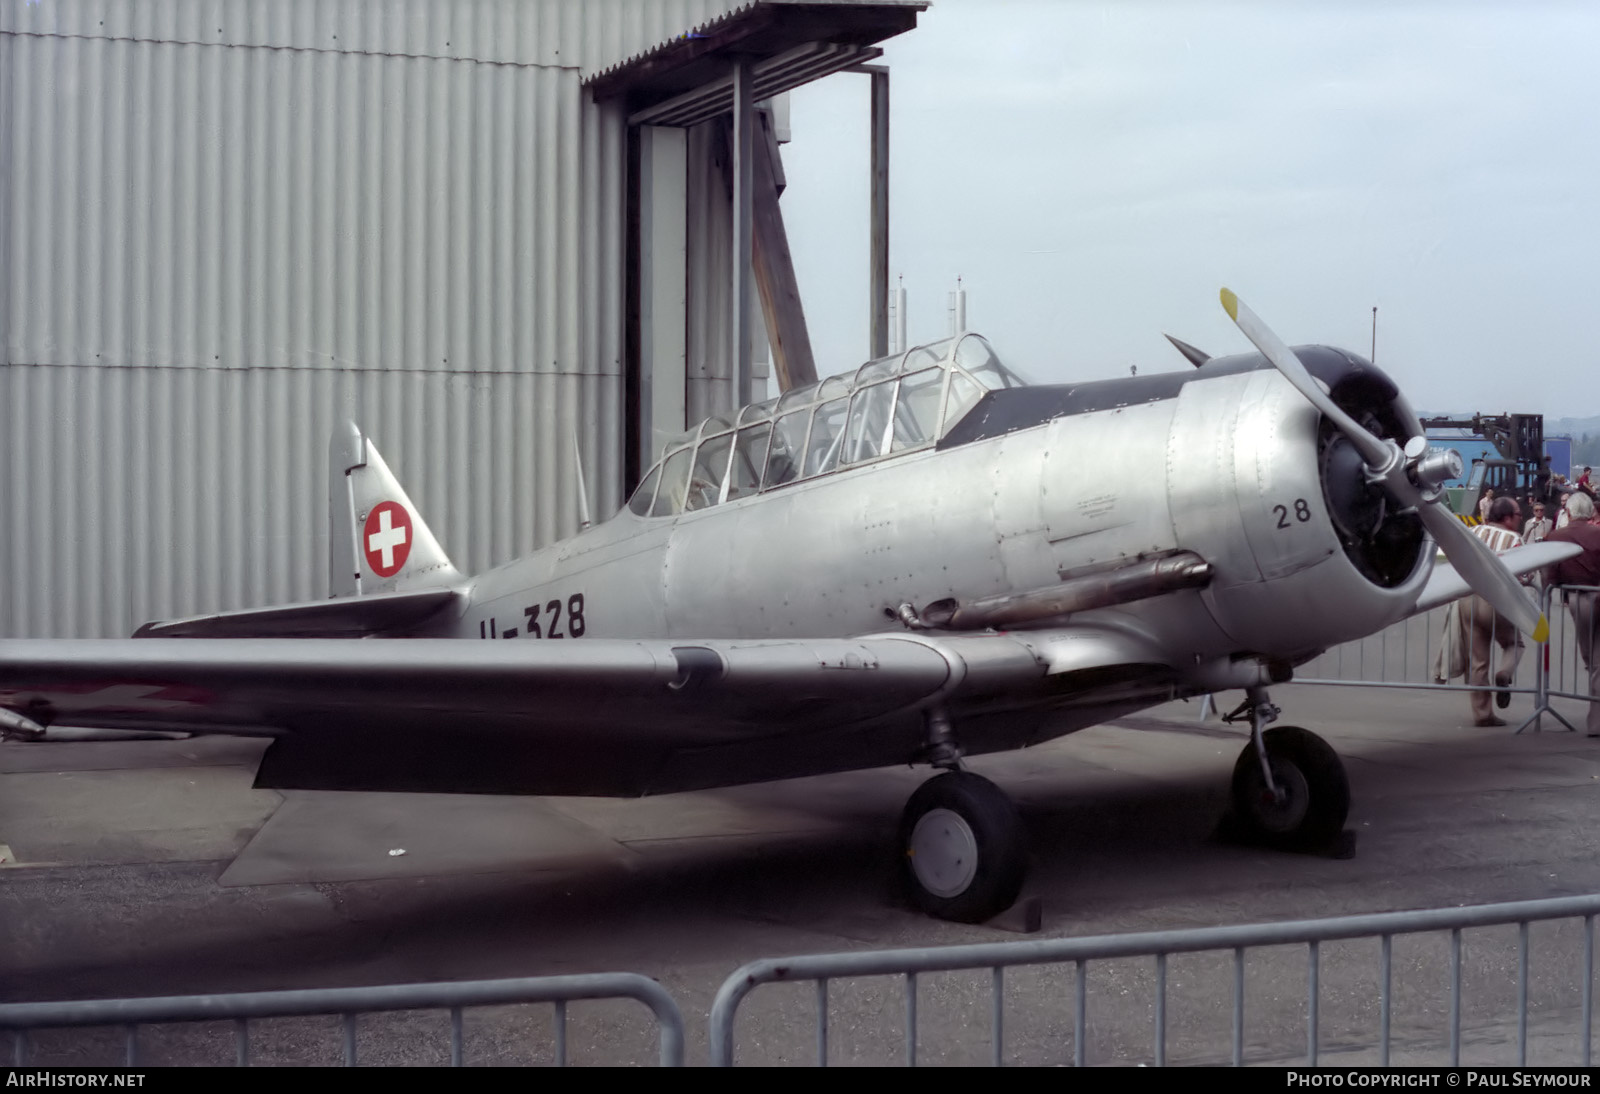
x: 386, y: 538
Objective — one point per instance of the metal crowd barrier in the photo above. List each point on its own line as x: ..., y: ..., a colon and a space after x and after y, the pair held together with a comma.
x: 997, y: 957
x: 1407, y: 655
x: 130, y: 1014
x: 1563, y: 669
x: 821, y: 969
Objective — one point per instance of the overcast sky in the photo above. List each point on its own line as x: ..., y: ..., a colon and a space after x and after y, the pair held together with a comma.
x: 1096, y: 171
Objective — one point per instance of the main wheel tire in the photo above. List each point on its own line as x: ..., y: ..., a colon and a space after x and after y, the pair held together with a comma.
x: 963, y: 853
x: 1311, y: 776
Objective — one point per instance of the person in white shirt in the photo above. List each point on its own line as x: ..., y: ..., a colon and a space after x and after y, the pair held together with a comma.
x: 1486, y: 627
x: 1576, y: 576
x: 1484, y: 504
x: 1564, y: 517
x: 1538, y: 525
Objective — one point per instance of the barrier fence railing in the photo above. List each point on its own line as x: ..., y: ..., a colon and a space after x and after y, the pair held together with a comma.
x: 348, y: 1003
x: 1067, y: 954
x: 1564, y: 670
x: 1415, y: 653
x: 1160, y: 945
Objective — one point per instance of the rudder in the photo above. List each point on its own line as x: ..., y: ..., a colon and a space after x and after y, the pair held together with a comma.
x: 377, y: 541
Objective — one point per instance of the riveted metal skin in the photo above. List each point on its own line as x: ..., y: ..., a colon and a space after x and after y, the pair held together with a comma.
x: 1092, y: 549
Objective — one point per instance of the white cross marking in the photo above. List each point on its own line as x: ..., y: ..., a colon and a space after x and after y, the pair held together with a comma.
x: 386, y: 539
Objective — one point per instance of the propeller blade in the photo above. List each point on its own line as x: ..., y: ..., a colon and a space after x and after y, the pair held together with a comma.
x: 1373, y: 450
x: 1483, y: 571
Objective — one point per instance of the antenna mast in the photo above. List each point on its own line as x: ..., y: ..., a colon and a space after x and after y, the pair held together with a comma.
x: 583, y: 489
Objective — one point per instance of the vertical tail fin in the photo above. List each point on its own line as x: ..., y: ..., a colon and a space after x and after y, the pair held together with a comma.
x: 377, y: 541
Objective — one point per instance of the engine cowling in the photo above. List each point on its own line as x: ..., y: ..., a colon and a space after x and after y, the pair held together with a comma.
x: 1307, y: 553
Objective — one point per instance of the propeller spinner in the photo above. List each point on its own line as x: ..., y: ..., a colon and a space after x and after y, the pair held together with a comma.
x: 1409, y: 476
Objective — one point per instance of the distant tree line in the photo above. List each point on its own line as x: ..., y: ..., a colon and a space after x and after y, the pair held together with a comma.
x: 1586, y: 452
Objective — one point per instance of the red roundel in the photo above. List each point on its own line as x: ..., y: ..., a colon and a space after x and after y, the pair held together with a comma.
x: 386, y: 538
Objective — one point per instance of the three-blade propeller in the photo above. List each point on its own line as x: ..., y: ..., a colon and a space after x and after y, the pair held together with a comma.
x: 1396, y: 470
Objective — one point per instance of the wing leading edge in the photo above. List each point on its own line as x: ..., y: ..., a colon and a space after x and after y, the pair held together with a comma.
x: 607, y: 717
x: 1445, y: 585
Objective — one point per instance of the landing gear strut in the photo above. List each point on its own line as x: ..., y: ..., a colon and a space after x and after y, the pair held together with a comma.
x: 963, y: 851
x: 1289, y: 786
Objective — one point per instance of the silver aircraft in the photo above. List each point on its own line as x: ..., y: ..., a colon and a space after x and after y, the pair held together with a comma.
x: 913, y: 562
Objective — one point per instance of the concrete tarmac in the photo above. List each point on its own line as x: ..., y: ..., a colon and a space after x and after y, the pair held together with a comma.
x: 150, y: 868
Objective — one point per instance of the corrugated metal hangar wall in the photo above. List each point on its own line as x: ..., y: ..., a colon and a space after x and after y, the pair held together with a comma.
x: 225, y: 224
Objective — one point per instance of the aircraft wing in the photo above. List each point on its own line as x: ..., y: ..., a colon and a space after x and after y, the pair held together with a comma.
x: 1445, y: 585
x: 590, y: 716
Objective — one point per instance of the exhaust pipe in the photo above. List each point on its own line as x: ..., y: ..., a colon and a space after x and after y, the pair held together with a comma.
x: 1124, y: 585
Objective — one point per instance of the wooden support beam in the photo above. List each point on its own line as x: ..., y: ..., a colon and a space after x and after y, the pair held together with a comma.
x: 767, y: 137
x: 774, y: 268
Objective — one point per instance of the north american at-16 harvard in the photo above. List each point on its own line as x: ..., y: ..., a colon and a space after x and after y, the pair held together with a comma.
x: 896, y: 565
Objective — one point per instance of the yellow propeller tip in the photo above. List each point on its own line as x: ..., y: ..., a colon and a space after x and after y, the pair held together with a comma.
x: 1541, y: 633
x: 1230, y: 304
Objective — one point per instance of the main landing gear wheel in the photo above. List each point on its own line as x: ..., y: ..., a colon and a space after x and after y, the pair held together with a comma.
x: 963, y: 852
x: 1313, y: 796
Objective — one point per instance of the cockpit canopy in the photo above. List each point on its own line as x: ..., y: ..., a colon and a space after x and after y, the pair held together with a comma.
x: 884, y: 408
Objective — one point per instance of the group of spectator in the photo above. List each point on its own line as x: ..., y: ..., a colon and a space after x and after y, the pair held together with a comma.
x: 1503, y: 528
x: 1550, y: 498
x: 1554, y: 491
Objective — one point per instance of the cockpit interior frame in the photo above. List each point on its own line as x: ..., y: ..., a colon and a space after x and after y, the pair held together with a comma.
x: 883, y: 409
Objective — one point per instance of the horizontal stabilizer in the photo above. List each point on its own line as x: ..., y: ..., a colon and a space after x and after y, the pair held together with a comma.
x: 342, y: 617
x: 1445, y: 585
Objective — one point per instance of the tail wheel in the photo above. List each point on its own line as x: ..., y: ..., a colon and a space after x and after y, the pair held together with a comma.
x: 1314, y: 793
x: 963, y: 850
